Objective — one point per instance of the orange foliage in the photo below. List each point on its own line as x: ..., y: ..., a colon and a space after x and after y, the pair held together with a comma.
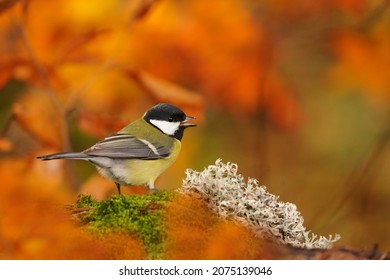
x: 364, y: 62
x: 160, y: 90
x: 28, y: 175
x: 305, y: 8
x: 76, y: 51
x: 107, y: 61
x: 99, y: 125
x: 230, y: 241
x: 188, y: 225
x: 194, y: 232
x: 281, y: 106
x: 228, y: 69
x: 122, y: 246
x: 4, y: 77
x: 37, y: 114
x: 5, y: 145
x: 32, y: 226
x: 78, y: 57
x: 229, y: 58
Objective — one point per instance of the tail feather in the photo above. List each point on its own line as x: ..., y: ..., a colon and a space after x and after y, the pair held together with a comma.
x: 64, y: 156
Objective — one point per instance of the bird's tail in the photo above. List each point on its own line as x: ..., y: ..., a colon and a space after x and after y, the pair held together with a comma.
x: 65, y: 155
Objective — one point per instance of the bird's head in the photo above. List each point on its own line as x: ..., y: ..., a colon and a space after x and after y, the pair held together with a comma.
x: 169, y: 119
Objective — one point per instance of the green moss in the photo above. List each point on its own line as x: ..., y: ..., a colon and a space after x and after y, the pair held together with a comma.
x: 84, y: 200
x: 141, y: 215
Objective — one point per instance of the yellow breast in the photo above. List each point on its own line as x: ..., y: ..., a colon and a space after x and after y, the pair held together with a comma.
x: 143, y: 172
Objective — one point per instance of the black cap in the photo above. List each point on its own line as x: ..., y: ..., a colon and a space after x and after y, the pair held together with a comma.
x: 165, y: 112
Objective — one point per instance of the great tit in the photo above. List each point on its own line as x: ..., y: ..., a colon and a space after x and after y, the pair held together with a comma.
x: 141, y: 151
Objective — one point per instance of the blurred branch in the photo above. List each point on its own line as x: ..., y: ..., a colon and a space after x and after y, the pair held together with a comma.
x: 39, y: 68
x: 73, y: 98
x: 376, y: 15
x: 44, y: 77
x: 6, y: 4
x: 361, y: 176
x: 142, y: 10
x: 262, y: 133
x: 160, y: 90
x: 8, y: 120
x: 5, y: 245
x: 339, y: 253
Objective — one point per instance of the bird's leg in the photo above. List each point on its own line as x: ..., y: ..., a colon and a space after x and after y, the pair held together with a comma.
x: 118, y: 186
x: 153, y: 188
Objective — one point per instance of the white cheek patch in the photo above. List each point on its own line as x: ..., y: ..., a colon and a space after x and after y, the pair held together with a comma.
x: 168, y: 128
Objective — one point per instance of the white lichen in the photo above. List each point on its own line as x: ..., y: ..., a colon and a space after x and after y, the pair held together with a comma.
x: 227, y: 194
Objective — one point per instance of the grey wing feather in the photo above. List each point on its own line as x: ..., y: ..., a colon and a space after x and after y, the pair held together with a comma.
x: 127, y: 146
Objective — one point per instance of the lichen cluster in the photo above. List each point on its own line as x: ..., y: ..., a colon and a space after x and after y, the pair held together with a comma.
x: 227, y: 194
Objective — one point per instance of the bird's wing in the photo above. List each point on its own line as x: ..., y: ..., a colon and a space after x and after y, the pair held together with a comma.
x: 127, y: 146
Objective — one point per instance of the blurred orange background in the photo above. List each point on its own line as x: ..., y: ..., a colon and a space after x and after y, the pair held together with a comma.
x: 297, y: 95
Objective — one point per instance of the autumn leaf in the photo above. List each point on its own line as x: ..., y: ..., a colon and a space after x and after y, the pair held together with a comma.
x: 363, y: 62
x: 99, y: 125
x: 5, y: 75
x: 37, y: 114
x: 33, y: 227
x: 5, y: 145
x: 226, y: 59
x: 6, y: 4
x: 143, y: 8
x: 162, y: 91
x: 281, y: 106
x: 353, y: 6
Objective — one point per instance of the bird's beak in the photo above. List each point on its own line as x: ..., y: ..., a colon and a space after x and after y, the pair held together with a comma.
x: 185, y: 124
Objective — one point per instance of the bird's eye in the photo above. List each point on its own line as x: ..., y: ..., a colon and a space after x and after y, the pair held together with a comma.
x: 170, y: 119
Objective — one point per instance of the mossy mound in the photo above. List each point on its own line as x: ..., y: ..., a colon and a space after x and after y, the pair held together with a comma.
x: 139, y: 215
